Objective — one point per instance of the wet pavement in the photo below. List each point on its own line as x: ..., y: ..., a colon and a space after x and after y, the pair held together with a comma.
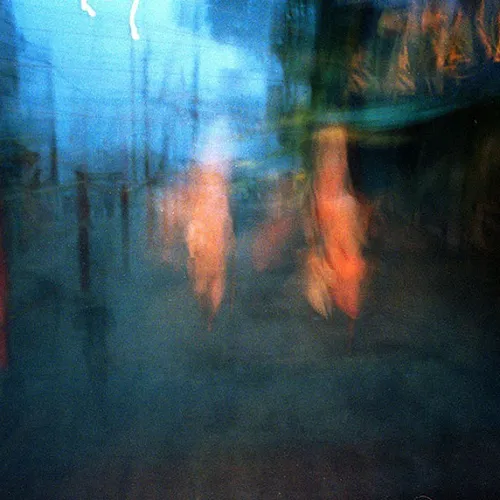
x: 122, y: 393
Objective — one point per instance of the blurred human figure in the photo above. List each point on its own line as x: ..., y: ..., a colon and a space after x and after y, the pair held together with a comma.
x: 199, y: 215
x: 209, y: 237
x: 334, y: 266
x: 274, y: 233
x: 335, y: 224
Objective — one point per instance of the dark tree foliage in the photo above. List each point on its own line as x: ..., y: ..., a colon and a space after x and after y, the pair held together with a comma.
x: 340, y: 29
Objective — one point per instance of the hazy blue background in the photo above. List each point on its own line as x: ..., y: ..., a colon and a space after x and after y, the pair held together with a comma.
x: 93, y: 63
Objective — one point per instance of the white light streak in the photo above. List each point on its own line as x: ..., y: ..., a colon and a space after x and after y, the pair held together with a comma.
x: 133, y: 28
x: 87, y: 8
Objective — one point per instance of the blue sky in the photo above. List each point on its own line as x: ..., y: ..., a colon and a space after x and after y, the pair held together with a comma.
x: 91, y: 57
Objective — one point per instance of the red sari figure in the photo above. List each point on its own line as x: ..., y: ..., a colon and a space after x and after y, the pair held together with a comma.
x: 199, y: 214
x: 209, y: 237
x: 335, y: 268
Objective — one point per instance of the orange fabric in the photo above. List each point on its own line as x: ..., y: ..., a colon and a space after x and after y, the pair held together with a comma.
x: 340, y: 228
x: 199, y: 215
x: 209, y: 235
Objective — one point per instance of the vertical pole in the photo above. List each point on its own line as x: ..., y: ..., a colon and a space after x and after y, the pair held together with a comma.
x: 4, y: 348
x: 164, y: 156
x: 145, y: 98
x: 150, y: 215
x: 125, y: 198
x: 164, y: 128
x: 195, y: 113
x: 54, y: 174
x: 54, y: 169
x: 132, y: 93
x: 83, y: 210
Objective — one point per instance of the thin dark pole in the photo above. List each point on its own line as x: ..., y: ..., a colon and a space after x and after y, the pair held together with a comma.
x: 83, y: 209
x: 195, y: 98
x: 124, y: 199
x: 150, y: 215
x: 133, y: 113
x: 54, y: 170
x: 147, y: 124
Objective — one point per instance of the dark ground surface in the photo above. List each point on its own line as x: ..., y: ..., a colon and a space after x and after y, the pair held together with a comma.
x: 124, y: 394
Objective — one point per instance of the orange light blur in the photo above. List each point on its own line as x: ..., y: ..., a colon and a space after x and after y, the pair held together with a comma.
x: 334, y: 265
x: 198, y: 214
x: 209, y: 236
